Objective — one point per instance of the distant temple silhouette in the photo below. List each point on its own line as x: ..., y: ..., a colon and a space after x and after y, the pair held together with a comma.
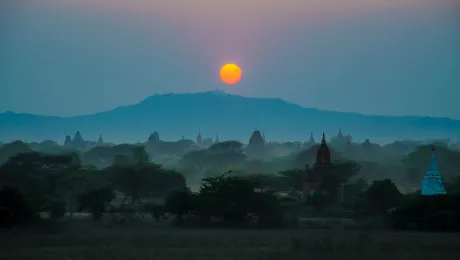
x: 199, y: 139
x: 432, y: 183
x: 313, y: 176
x: 79, y: 143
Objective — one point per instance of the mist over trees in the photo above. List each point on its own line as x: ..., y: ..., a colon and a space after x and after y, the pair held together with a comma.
x: 218, y: 182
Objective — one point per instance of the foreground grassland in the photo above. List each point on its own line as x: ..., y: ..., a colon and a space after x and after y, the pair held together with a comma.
x: 143, y: 242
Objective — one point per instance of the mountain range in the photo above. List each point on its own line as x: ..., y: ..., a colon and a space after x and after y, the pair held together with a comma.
x: 231, y: 116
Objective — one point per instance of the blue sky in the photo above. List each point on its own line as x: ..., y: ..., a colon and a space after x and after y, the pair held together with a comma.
x: 390, y: 57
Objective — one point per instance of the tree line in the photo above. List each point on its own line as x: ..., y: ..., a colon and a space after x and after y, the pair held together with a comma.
x: 34, y: 183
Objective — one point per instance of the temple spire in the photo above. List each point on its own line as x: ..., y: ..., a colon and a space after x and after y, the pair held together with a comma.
x: 311, y: 141
x: 323, y: 156
x: 433, y: 166
x: 323, y: 141
x: 432, y: 183
x: 77, y: 137
x: 68, y: 141
x: 100, y: 141
x: 199, y: 139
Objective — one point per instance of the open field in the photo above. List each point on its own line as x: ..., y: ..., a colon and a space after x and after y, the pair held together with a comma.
x: 144, y: 242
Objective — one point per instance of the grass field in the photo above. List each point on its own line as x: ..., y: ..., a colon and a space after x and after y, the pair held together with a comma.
x: 144, y: 242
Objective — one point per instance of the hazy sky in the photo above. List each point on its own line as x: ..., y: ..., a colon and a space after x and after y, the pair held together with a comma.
x: 70, y: 57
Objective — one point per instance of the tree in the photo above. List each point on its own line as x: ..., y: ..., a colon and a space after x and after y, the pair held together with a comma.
x: 47, y: 146
x: 95, y: 200
x: 268, y: 209
x: 73, y: 184
x: 103, y: 156
x: 254, y: 165
x: 155, y: 209
x: 453, y: 185
x: 355, y: 189
x: 37, y: 176
x: 121, y: 159
x: 132, y: 179
x: 217, y: 157
x: 234, y: 200
x: 439, y: 213
x: 273, y: 182
x: 381, y: 196
x: 14, y: 209
x: 179, y: 202
x: 223, y: 160
x: 167, y: 180
x: 142, y: 179
x: 340, y: 173
x: 414, y: 175
x: 56, y: 208
x: 12, y: 149
x: 226, y: 197
x: 226, y: 146
x: 140, y: 155
x: 198, y: 159
x: 297, y: 176
x: 448, y: 160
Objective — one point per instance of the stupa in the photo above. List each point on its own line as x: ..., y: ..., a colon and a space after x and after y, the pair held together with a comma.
x: 432, y: 183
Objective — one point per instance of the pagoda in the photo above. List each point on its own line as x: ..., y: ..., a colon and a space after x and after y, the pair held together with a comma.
x: 154, y: 137
x: 199, y: 139
x: 310, y: 142
x: 432, y: 183
x: 322, y: 166
x: 313, y: 175
x: 100, y: 141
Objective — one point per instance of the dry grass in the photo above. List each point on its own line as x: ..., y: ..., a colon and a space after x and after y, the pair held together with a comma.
x: 144, y: 242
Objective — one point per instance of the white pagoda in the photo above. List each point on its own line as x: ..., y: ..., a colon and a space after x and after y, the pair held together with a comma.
x: 432, y: 183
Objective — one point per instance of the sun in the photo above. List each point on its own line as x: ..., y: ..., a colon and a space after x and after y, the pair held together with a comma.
x: 230, y: 73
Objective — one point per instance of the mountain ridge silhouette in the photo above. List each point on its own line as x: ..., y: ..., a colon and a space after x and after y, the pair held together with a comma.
x: 211, y: 112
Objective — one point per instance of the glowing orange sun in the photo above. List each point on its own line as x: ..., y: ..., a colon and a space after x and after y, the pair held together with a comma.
x: 230, y: 73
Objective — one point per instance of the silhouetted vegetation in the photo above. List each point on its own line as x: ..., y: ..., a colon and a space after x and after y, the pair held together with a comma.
x: 224, y: 185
